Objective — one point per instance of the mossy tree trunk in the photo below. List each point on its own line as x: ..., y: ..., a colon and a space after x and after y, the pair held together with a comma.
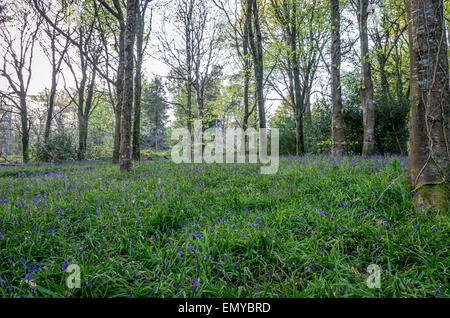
x: 429, y: 157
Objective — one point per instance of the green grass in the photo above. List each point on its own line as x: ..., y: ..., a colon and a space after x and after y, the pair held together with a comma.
x: 311, y: 230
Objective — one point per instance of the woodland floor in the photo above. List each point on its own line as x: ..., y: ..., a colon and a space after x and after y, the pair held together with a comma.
x: 220, y: 230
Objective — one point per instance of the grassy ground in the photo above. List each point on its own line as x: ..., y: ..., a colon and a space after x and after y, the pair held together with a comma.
x: 169, y: 230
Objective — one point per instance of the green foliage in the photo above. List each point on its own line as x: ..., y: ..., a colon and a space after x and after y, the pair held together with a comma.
x: 391, y: 120
x: 60, y: 147
x: 317, y: 129
x: 154, y: 115
x: 285, y: 122
x: 391, y: 126
x: 154, y: 155
x: 311, y: 230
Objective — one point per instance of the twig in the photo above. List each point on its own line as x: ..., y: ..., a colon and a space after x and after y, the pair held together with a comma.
x: 388, y: 187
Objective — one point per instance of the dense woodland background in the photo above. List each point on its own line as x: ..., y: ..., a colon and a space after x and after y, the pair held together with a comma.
x: 211, y: 73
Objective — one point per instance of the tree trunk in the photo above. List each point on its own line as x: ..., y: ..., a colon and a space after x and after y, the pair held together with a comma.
x: 384, y: 78
x: 51, y: 106
x: 81, y: 142
x: 25, y: 130
x: 188, y: 33
x: 298, y: 98
x: 366, y: 81
x: 245, y: 47
x: 138, y: 86
x: 429, y: 157
x: 256, y: 43
x: 300, y: 144
x: 117, y: 116
x: 119, y: 95
x: 82, y: 136
x: 337, y: 136
x: 127, y: 107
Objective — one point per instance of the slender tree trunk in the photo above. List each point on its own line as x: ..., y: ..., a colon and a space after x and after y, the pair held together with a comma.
x: 138, y: 86
x: 298, y: 98
x: 119, y: 95
x: 25, y: 130
x: 256, y: 43
x: 127, y: 107
x: 82, y: 136
x: 429, y: 157
x: 245, y: 47
x: 300, y: 144
x: 337, y: 136
x: 189, y: 58
x: 366, y: 81
x: 81, y: 119
x: 51, y: 106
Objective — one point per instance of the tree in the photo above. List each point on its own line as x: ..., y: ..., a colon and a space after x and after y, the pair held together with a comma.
x: 84, y: 70
x: 368, y: 106
x: 127, y: 106
x: 55, y: 53
x: 118, y: 15
x: 429, y: 157
x: 141, y: 44
x: 17, y: 61
x: 337, y: 136
x: 191, y: 54
x: 154, y: 109
x: 256, y: 45
x: 298, y: 49
x: 238, y: 19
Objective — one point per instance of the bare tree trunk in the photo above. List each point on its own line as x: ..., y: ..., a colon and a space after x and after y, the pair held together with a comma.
x: 127, y: 107
x: 119, y: 95
x: 366, y: 80
x: 256, y: 44
x: 51, y: 106
x: 81, y: 120
x: 136, y: 153
x: 429, y: 157
x: 337, y: 136
x: 300, y: 144
x: 298, y: 98
x: 245, y: 47
x: 56, y: 63
x: 189, y: 59
x: 25, y: 128
x: 82, y: 136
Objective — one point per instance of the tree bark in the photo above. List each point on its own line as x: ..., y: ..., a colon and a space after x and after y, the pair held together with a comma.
x: 245, y: 48
x: 127, y: 107
x: 119, y: 94
x: 136, y: 153
x: 255, y: 37
x: 337, y: 136
x: 25, y: 128
x: 366, y: 80
x: 429, y: 157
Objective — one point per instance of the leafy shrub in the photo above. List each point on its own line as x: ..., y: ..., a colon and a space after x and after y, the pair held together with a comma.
x: 59, y: 147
